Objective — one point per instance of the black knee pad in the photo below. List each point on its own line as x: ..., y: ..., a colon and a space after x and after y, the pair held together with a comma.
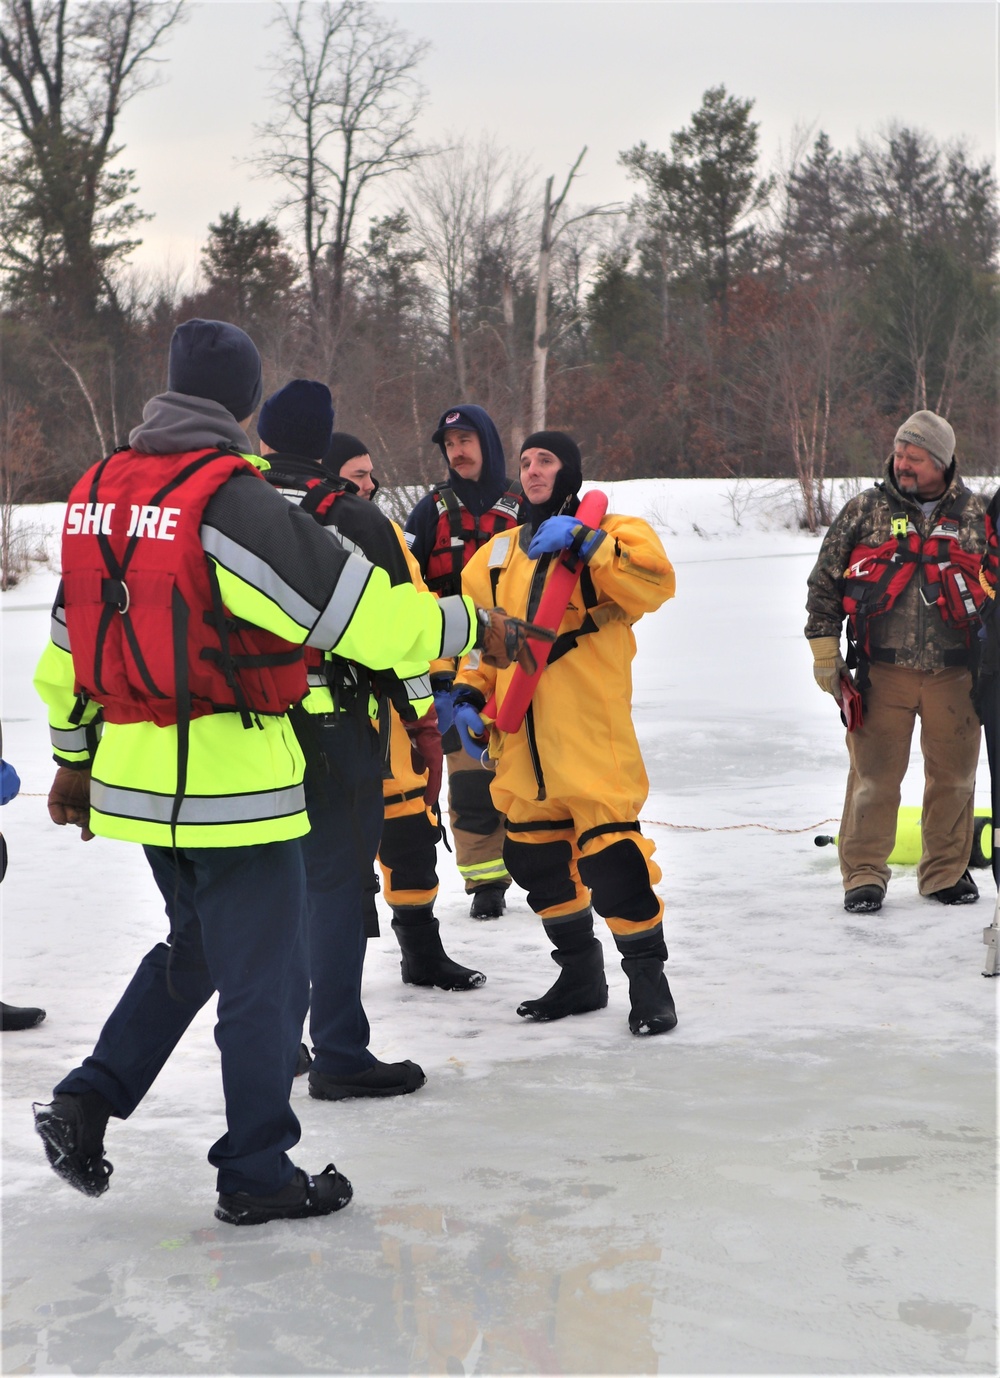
x: 471, y: 804
x: 619, y: 883
x: 541, y: 868
x: 408, y: 852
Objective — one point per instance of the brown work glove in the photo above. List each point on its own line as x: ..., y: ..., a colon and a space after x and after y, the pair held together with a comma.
x: 828, y: 664
x: 69, y: 800
x: 504, y: 639
x: 425, y: 752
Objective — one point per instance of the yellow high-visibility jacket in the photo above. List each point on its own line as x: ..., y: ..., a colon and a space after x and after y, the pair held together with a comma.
x: 282, y: 571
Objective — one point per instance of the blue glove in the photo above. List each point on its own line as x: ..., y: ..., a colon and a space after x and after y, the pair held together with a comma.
x: 470, y: 726
x: 10, y: 782
x: 444, y: 704
x: 561, y: 533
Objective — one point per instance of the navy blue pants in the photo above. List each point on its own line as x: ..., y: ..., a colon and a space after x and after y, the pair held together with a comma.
x: 235, y: 927
x: 344, y: 799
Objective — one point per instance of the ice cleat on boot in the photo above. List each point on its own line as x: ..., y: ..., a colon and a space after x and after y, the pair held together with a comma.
x: 303, y: 1196
x: 580, y: 986
x: 72, y: 1130
x: 488, y: 902
x: 424, y: 960
x: 652, y: 1009
x: 381, y: 1079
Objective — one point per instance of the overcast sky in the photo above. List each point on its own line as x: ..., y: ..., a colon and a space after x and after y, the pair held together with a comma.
x: 546, y: 78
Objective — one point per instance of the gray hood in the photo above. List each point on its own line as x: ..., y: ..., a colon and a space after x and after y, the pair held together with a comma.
x: 174, y: 423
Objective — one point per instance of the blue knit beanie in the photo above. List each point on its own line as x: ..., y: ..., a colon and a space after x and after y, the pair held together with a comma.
x: 219, y: 361
x: 298, y: 419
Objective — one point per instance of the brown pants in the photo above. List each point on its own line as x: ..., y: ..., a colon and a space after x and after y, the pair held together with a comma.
x: 880, y: 753
x: 476, y: 827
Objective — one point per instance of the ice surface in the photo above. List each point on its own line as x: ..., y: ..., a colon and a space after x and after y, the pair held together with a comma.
x: 798, y: 1179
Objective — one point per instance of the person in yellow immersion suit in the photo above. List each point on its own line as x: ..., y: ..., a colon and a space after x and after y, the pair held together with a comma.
x: 411, y: 787
x: 571, y: 780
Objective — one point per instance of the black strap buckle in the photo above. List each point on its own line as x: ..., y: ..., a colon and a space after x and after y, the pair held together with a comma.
x: 115, y: 592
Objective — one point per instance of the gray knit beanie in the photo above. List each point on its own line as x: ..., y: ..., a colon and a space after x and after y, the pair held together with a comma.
x: 932, y: 433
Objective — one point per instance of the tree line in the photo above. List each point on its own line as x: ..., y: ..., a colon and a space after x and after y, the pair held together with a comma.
x: 723, y: 322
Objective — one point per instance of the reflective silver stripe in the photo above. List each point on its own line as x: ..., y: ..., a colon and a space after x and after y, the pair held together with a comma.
x: 58, y: 630
x: 197, y: 809
x: 455, y: 626
x: 68, y: 738
x: 418, y: 688
x: 317, y: 680
x: 409, y: 537
x: 350, y: 546
x: 336, y: 616
x: 259, y: 574
x: 499, y: 552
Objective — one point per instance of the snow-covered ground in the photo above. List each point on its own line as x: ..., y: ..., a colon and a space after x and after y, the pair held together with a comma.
x: 799, y: 1179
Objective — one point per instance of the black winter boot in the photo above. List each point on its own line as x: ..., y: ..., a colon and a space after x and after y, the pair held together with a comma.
x: 328, y: 1191
x: 425, y: 962
x: 20, y: 1016
x: 488, y: 902
x: 579, y: 988
x: 652, y: 1009
x: 381, y: 1079
x: 72, y: 1130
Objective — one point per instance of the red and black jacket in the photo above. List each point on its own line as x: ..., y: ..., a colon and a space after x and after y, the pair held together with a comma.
x: 459, y: 534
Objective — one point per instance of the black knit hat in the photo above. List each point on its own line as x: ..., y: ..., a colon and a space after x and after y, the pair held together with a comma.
x: 218, y: 361
x: 342, y: 447
x: 298, y: 419
x: 569, y: 478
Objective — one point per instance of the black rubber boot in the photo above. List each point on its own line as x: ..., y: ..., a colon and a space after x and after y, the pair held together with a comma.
x: 425, y: 962
x: 579, y: 988
x: 72, y: 1130
x: 328, y: 1191
x: 20, y: 1016
x: 488, y: 902
x: 652, y: 1009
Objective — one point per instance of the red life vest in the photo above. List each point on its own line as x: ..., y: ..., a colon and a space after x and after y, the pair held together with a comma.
x: 459, y: 534
x: 949, y: 576
x: 151, y: 639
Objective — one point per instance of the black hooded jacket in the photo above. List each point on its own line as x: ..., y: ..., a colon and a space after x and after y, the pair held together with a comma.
x: 478, y: 496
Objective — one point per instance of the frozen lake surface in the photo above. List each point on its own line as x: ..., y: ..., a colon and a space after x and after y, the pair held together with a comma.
x: 799, y: 1179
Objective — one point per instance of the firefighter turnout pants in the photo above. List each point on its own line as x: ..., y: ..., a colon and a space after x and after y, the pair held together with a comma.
x: 476, y: 827
x: 879, y: 754
x: 408, y: 853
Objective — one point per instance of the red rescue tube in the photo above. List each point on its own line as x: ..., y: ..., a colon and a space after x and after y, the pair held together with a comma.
x: 559, y: 589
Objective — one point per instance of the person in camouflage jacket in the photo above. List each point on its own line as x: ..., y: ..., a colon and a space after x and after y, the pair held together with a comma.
x: 912, y: 662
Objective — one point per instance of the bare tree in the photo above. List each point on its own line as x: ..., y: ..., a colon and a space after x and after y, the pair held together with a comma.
x: 554, y: 224
x: 347, y: 101
x: 22, y: 464
x: 467, y: 209
x: 66, y: 71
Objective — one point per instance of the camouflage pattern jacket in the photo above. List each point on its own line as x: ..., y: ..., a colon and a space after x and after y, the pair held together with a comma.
x: 915, y: 632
